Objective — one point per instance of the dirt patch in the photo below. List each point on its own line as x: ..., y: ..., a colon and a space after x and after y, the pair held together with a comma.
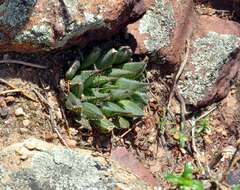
x: 23, y: 115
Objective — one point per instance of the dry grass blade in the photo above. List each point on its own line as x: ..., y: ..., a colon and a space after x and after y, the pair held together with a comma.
x: 14, y: 90
x: 6, y: 83
x: 10, y: 91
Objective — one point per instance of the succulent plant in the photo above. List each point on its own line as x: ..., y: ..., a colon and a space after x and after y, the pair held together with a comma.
x: 105, y: 89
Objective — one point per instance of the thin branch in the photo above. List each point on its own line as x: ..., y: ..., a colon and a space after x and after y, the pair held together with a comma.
x: 51, y: 114
x: 10, y: 91
x: 14, y: 90
x: 11, y: 61
x: 179, y: 73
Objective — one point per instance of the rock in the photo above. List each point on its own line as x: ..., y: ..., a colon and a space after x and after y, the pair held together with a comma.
x: 56, y: 167
x: 19, y: 112
x: 43, y: 25
x: 126, y: 159
x: 22, y: 152
x: 4, y: 112
x: 163, y: 30
x: 162, y: 33
x: 10, y: 99
x: 211, y: 68
x: 23, y: 130
x: 71, y: 143
x: 3, y: 104
x: 26, y: 122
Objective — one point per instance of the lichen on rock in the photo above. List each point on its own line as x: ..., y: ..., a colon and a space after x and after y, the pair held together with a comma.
x: 89, y: 22
x: 209, y: 54
x: 44, y: 25
x: 158, y: 23
x: 38, y: 35
x: 16, y: 13
x: 48, y: 166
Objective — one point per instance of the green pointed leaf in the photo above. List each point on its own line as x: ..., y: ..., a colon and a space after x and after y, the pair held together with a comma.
x: 124, y: 55
x: 197, y: 185
x: 71, y: 72
x: 140, y: 98
x: 122, y: 123
x: 104, y: 125
x: 178, y: 180
x: 97, y: 81
x: 73, y: 103
x: 86, y: 74
x: 136, y: 68
x: 107, y: 88
x: 132, y: 85
x: 91, y: 112
x: 173, y: 179
x: 96, y: 92
x: 96, y: 96
x: 187, y: 173
x: 132, y: 108
x: 92, y: 58
x: 84, y: 123
x: 76, y: 86
x: 108, y: 59
x: 119, y: 94
x: 120, y: 73
x: 111, y: 109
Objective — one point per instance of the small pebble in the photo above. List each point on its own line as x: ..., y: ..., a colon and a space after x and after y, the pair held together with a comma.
x: 4, y: 112
x: 19, y: 112
x: 73, y: 131
x: 71, y: 143
x: 23, y: 130
x: 49, y: 137
x: 22, y: 152
x: 10, y: 99
x: 59, y: 114
x: 26, y: 122
x: 2, y: 103
x: 24, y: 157
x: 30, y: 146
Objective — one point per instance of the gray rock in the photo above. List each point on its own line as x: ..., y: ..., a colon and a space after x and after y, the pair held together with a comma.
x: 50, y: 167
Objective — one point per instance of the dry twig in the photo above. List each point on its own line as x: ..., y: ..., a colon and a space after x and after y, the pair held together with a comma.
x: 179, y: 73
x: 52, y: 120
x: 10, y: 91
x: 14, y: 90
x: 23, y: 63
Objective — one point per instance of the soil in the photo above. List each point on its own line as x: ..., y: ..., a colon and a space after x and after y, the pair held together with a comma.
x: 154, y: 140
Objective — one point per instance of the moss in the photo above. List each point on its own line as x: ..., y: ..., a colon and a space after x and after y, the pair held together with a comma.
x: 210, y: 53
x: 159, y: 23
